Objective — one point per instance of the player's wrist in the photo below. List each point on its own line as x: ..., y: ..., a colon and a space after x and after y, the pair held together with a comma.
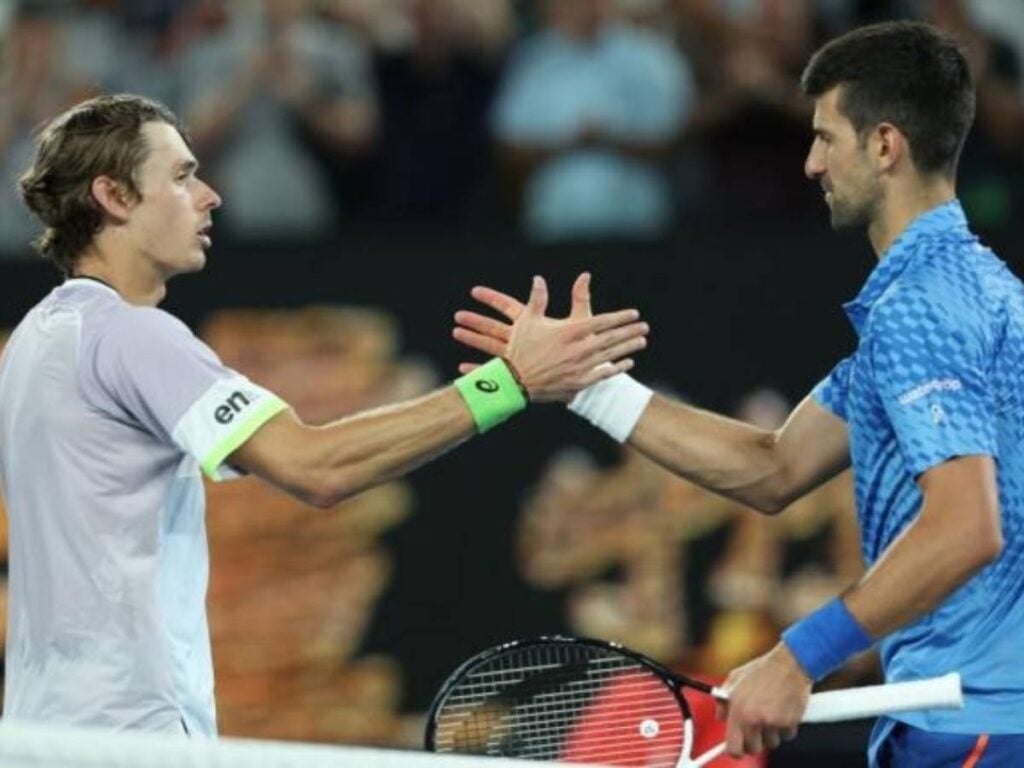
x: 613, y: 405
x: 824, y: 640
x: 493, y: 393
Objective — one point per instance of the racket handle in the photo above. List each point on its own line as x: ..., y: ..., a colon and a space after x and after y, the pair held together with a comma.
x: 868, y: 701
x: 874, y: 700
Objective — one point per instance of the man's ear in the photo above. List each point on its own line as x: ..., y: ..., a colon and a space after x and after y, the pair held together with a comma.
x: 889, y: 146
x: 113, y: 197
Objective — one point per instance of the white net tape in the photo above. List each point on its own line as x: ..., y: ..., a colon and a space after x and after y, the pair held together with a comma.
x: 33, y: 746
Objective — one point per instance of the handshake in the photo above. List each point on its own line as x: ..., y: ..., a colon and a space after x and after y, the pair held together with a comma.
x: 552, y: 358
x: 580, y: 359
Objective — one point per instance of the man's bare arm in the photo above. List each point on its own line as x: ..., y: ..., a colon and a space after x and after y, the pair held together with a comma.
x: 553, y: 359
x: 326, y: 464
x: 957, y: 532
x: 763, y: 469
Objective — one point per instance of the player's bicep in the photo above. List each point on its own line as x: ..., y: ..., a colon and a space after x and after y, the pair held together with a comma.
x: 961, y: 500
x: 281, y: 452
x: 812, y: 447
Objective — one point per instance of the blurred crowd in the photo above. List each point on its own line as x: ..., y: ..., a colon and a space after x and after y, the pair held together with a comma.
x: 571, y: 119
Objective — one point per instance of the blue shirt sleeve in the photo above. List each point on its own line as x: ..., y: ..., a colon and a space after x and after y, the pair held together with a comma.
x: 929, y: 362
x: 832, y: 391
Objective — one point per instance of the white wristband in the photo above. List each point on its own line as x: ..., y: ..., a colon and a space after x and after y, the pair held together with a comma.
x: 613, y: 405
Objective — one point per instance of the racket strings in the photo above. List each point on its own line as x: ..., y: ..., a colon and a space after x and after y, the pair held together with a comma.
x: 577, y: 703
x: 627, y: 683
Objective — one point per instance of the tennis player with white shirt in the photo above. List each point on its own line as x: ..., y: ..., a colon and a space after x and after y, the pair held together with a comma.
x: 928, y: 410
x: 110, y: 408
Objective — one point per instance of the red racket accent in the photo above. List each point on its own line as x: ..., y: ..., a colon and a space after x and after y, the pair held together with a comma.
x: 633, y: 721
x: 709, y: 732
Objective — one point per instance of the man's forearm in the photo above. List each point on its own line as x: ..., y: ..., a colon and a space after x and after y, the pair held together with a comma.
x: 376, y: 446
x: 726, y: 456
x: 322, y: 465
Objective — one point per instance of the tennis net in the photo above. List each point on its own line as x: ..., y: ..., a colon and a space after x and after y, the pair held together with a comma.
x: 25, y: 745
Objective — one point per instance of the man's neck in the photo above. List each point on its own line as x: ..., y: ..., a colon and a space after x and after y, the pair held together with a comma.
x: 901, y: 207
x: 133, y: 278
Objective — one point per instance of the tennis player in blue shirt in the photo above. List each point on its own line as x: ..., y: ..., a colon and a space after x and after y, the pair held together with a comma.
x: 929, y: 411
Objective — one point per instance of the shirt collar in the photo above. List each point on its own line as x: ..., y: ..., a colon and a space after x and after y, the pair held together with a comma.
x: 947, y: 217
x: 93, y: 281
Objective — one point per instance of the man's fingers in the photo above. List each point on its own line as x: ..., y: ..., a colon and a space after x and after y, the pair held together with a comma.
x: 622, y: 349
x: 604, y: 322
x: 581, y: 297
x: 788, y: 734
x: 465, y: 368
x: 733, y: 738
x: 485, y: 344
x: 488, y: 326
x: 721, y: 709
x: 616, y: 336
x: 752, y: 741
x: 538, y: 303
x: 498, y: 301
x: 772, y: 738
x: 601, y: 372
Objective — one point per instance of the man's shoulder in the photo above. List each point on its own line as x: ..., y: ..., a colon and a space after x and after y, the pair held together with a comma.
x: 952, y: 294
x: 963, y: 276
x: 123, y: 327
x: 951, y: 270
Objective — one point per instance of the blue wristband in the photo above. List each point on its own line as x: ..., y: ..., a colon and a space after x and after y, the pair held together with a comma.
x: 824, y: 640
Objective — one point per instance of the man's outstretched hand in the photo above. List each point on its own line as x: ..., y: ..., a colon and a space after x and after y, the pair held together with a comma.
x: 554, y: 357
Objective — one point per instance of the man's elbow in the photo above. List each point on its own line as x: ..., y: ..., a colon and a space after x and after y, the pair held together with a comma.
x: 974, y: 550
x: 319, y: 497
x: 988, y: 547
x: 775, y: 492
x: 321, y: 489
x: 770, y: 504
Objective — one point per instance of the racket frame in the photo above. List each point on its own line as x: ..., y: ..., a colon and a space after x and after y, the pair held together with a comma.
x: 673, y: 681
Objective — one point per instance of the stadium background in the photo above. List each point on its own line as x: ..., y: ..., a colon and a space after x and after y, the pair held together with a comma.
x: 339, y: 627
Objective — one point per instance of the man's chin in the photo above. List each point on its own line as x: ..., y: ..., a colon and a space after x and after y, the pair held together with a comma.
x: 195, y: 263
x: 842, y: 221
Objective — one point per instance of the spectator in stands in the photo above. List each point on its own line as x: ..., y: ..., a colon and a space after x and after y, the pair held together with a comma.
x: 38, y: 80
x: 268, y: 80
x: 994, y: 151
x: 752, y: 122
x: 435, y: 92
x: 586, y: 115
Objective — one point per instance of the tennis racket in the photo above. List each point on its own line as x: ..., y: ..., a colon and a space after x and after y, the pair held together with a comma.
x: 588, y: 701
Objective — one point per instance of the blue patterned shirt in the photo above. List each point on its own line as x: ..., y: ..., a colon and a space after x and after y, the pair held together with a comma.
x: 938, y: 373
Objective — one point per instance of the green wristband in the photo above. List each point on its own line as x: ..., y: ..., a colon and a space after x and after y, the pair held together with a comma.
x: 492, y: 394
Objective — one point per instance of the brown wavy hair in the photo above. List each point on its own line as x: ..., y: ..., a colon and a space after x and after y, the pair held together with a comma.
x: 99, y: 137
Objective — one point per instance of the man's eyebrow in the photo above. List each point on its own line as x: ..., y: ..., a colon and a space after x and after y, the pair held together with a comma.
x: 189, y: 165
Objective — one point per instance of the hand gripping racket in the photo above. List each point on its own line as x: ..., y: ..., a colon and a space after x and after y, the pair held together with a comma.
x: 588, y: 701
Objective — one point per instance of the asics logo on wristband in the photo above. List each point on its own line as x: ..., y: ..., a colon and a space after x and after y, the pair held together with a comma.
x: 487, y: 385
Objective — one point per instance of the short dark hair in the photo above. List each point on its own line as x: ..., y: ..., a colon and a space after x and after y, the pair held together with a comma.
x: 905, y: 73
x: 99, y: 137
